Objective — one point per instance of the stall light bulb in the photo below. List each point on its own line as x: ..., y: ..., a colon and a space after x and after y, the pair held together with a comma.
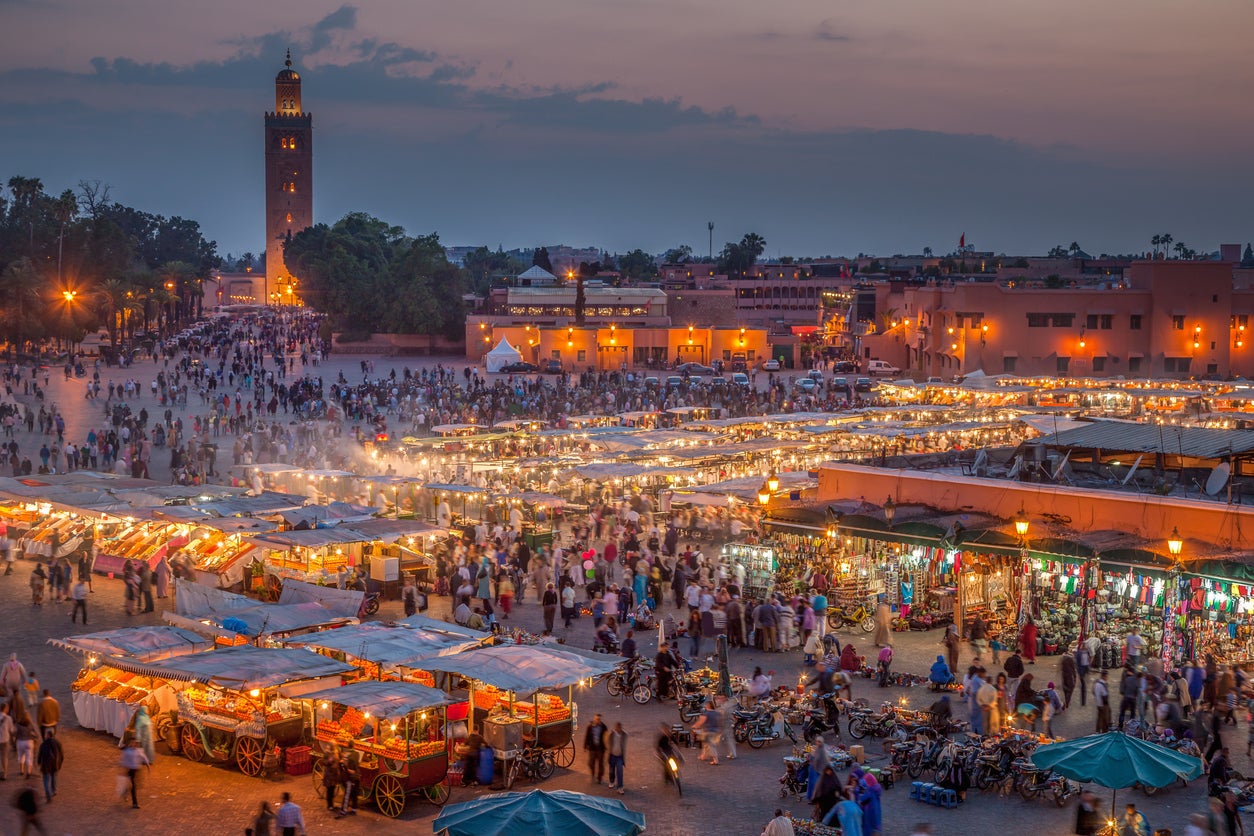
x: 393, y: 727
x: 254, y: 693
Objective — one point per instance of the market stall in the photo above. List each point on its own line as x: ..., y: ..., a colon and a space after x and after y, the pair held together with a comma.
x: 232, y: 619
x: 237, y: 704
x: 105, y: 696
x: 499, y: 676
x: 398, y: 730
x: 387, y: 652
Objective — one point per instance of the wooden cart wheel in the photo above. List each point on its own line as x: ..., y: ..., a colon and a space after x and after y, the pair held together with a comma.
x: 389, y: 795
x: 192, y: 744
x: 565, y: 756
x: 319, y: 769
x: 248, y: 756
x: 437, y: 794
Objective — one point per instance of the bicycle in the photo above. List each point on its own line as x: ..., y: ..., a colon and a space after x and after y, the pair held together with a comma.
x: 534, y: 763
x: 838, y: 617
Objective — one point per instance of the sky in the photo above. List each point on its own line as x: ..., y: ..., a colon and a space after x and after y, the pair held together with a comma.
x: 830, y: 127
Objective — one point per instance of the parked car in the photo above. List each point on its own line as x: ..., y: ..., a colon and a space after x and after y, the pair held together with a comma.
x: 651, y: 381
x: 675, y: 380
x: 806, y: 384
x: 838, y: 384
x: 881, y: 367
x: 740, y: 379
x: 771, y: 365
x: 815, y: 375
x: 695, y: 368
x: 863, y: 384
x: 552, y: 366
x: 521, y: 367
x: 845, y: 367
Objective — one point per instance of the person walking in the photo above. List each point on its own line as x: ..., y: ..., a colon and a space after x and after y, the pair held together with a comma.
x: 617, y: 748
x: 50, y: 757
x: 709, y: 724
x: 131, y: 761
x: 1083, y: 661
x: 289, y: 819
x: 953, y: 643
x: 1069, y: 676
x: 78, y: 593
x: 331, y: 780
x: 1101, y: 699
x: 13, y: 676
x: 594, y: 745
x: 263, y: 822
x: 26, y: 735
x: 549, y: 602
x: 7, y: 731
x: 350, y: 777
x: 28, y: 805
x: 49, y: 713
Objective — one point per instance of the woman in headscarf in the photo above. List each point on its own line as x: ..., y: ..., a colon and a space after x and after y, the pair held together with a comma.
x: 868, y: 793
x: 827, y: 793
x: 849, y: 660
x: 1027, y: 642
x: 819, y: 761
x: 143, y: 733
x: 940, y: 674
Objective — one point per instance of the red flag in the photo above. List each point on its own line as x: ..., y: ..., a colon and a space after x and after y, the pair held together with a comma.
x: 962, y: 240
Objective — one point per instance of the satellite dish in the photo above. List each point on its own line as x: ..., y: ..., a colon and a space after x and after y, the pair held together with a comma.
x: 1218, y: 478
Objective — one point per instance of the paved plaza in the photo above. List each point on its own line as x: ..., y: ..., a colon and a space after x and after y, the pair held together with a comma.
x: 736, y: 797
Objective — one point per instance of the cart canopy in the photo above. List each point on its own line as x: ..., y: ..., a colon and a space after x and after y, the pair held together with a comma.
x: 522, y: 668
x: 387, y: 646
x: 426, y: 622
x: 384, y: 700
x: 145, y: 644
x: 244, y: 668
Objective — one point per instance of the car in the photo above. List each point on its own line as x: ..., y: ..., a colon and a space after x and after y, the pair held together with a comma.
x: 806, y: 384
x: 521, y: 367
x: 934, y: 381
x: 695, y: 368
x: 815, y: 375
x: 839, y: 384
x: 740, y: 379
x: 863, y: 384
x: 771, y: 365
x: 881, y: 367
x: 675, y: 380
x: 552, y: 366
x: 845, y: 367
x: 651, y: 381
x: 696, y: 380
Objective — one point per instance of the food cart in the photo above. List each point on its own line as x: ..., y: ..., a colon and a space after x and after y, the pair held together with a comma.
x: 388, y: 652
x: 107, y: 692
x: 398, y: 729
x: 239, y: 703
x: 498, y: 676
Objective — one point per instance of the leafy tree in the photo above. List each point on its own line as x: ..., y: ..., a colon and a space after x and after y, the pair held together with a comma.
x: 678, y: 255
x: 1058, y: 252
x: 636, y: 265
x: 587, y: 271
x: 483, y: 265
x: 581, y: 300
x: 927, y: 252
x: 540, y: 258
x: 1247, y: 259
x: 737, y: 259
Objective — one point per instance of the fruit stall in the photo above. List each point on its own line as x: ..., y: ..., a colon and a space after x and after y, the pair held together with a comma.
x: 397, y: 729
x: 240, y: 704
x: 106, y: 693
x: 499, y: 678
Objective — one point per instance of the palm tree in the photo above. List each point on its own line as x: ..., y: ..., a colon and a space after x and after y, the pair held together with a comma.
x: 1156, y: 241
x: 115, y: 297
x: 1166, y: 240
x: 20, y: 289
x: 64, y: 208
x: 1182, y: 252
x: 25, y: 192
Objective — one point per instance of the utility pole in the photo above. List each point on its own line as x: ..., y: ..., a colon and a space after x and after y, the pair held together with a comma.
x: 710, y: 226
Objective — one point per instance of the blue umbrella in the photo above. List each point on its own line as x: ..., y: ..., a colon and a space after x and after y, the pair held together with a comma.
x: 557, y: 813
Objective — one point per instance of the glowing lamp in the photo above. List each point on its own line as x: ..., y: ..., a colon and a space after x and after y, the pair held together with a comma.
x: 1021, y: 523
x: 1174, y: 543
x: 764, y: 494
x: 772, y: 481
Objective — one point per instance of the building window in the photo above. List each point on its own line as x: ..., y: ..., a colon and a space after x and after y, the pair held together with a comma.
x: 1134, y: 364
x: 1063, y: 364
x: 1177, y: 365
x: 555, y: 355
x: 751, y: 354
x: 1177, y: 323
x: 1050, y: 320
x: 1008, y: 364
x: 581, y: 355
x: 1212, y: 368
x: 1038, y: 320
x: 1099, y: 364
x: 1134, y: 322
x: 1099, y: 322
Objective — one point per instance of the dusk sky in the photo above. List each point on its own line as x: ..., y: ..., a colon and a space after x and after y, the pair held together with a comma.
x: 827, y: 126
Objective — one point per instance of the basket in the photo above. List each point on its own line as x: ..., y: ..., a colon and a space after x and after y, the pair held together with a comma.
x: 299, y: 761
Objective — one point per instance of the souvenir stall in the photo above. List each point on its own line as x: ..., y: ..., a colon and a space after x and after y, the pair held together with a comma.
x: 760, y: 567
x: 1127, y: 596
x: 1212, y: 616
x: 240, y: 704
x: 1055, y: 595
x: 499, y: 677
x: 398, y: 730
x: 105, y: 696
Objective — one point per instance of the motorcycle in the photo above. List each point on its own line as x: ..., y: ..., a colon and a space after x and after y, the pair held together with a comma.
x: 1033, y: 782
x: 628, y: 679
x: 670, y: 767
x: 691, y: 704
x: 863, y: 723
x: 762, y: 729
x: 820, y: 719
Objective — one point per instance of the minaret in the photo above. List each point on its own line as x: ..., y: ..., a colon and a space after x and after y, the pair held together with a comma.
x: 289, y: 179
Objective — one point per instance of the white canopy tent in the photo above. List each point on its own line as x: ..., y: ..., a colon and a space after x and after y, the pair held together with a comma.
x: 501, y: 356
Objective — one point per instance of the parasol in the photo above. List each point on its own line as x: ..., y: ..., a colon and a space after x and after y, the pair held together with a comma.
x: 557, y: 813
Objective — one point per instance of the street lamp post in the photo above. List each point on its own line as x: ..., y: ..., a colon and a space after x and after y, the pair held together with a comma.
x: 890, y: 511
x: 1171, y: 599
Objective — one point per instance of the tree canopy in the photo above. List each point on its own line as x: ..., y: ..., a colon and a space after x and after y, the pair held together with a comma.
x: 737, y: 259
x: 369, y: 276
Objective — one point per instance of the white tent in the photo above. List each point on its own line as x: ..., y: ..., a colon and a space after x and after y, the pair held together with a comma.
x: 501, y: 356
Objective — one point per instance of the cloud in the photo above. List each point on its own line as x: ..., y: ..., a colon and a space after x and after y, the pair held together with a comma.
x: 827, y: 32
x: 343, y: 19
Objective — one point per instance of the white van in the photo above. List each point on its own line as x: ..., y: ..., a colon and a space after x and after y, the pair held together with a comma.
x: 881, y: 367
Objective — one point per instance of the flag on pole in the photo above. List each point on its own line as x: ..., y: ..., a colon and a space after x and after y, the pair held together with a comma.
x: 962, y: 240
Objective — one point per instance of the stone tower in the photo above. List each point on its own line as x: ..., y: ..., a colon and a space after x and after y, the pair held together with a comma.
x: 289, y: 179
